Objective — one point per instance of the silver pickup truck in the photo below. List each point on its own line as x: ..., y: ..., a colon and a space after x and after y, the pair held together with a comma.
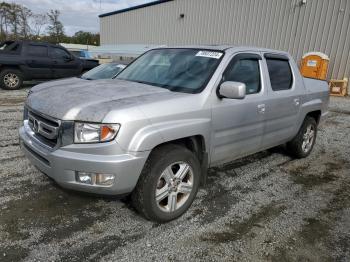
x: 155, y: 129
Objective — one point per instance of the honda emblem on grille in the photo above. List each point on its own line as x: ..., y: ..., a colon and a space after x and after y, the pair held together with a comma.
x: 36, y: 126
x: 43, y: 127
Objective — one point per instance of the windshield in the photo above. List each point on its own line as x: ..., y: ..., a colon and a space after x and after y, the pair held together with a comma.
x: 104, y: 71
x: 76, y: 53
x: 178, y: 69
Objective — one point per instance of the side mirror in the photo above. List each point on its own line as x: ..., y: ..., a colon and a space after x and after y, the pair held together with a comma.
x: 68, y: 58
x: 233, y: 90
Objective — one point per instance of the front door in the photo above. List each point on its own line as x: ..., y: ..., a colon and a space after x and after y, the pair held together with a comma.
x: 64, y: 64
x: 238, y: 125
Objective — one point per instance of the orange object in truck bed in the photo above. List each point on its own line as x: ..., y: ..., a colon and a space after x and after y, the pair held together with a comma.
x: 314, y: 65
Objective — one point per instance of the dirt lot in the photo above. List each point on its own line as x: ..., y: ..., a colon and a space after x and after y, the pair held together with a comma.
x: 264, y: 207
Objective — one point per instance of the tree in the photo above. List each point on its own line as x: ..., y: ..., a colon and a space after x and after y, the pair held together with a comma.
x: 14, y: 21
x: 4, y: 17
x: 24, y: 14
x: 19, y: 22
x: 82, y: 37
x: 85, y: 38
x: 14, y: 18
x: 38, y: 22
x: 55, y: 27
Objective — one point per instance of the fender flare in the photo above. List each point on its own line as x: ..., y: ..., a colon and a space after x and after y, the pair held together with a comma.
x: 153, y: 135
x: 306, y: 108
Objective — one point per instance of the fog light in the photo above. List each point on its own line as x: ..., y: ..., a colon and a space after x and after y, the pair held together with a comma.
x: 94, y: 178
x: 85, y: 178
x: 105, y: 179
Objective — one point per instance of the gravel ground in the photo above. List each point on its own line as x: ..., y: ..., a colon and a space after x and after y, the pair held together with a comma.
x: 264, y: 207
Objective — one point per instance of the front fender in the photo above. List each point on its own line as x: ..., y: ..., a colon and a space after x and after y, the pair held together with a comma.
x: 153, y: 135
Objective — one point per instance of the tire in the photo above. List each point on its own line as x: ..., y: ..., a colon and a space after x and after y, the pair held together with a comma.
x: 156, y: 181
x: 302, y: 144
x: 11, y: 79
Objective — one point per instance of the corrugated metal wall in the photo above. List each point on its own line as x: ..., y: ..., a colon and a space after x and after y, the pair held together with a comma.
x: 321, y: 25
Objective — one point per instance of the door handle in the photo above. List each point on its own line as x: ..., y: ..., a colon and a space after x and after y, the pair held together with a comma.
x: 297, y: 101
x: 261, y: 109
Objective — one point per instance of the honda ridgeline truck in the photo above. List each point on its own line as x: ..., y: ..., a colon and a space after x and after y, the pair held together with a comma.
x: 155, y: 129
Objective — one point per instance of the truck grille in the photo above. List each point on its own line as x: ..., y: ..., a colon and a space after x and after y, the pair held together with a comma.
x: 45, y: 129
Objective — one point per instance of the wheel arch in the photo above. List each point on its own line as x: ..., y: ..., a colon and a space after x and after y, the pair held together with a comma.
x: 312, y: 108
x: 196, y: 144
x: 315, y: 115
x: 13, y: 67
x: 4, y: 67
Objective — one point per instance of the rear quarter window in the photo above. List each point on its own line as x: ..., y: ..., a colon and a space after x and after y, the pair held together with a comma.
x: 280, y: 73
x: 10, y: 47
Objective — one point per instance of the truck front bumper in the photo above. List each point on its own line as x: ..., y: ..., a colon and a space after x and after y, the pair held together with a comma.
x: 63, y: 164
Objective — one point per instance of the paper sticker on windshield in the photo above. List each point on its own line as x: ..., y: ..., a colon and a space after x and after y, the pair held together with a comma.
x: 209, y: 54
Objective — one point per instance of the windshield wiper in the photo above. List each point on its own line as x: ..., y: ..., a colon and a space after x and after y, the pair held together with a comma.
x: 166, y: 86
x: 141, y: 82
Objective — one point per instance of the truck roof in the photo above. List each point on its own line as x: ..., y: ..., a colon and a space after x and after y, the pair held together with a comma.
x: 29, y: 42
x: 230, y: 48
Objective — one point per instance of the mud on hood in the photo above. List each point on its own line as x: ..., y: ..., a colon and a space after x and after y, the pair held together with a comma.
x: 84, y: 100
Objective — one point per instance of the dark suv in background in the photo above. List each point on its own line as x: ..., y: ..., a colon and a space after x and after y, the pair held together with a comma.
x: 25, y: 60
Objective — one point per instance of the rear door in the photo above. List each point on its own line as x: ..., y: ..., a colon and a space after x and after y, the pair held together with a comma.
x: 37, y: 61
x: 283, y: 105
x: 64, y: 64
x: 238, y: 125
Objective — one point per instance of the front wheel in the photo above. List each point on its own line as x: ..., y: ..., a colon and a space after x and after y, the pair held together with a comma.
x: 303, y: 143
x: 11, y: 79
x: 168, y: 184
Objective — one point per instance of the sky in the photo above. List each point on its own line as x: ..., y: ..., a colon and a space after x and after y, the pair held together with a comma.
x: 79, y: 14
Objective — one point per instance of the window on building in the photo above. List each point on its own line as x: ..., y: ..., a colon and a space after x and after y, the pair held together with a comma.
x: 280, y: 74
x: 245, y: 71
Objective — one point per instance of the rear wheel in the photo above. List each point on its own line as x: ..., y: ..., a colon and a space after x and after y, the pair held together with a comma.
x: 303, y: 143
x: 168, y: 184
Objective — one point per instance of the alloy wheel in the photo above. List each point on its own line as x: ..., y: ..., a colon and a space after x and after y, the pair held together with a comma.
x: 174, y: 186
x: 308, y: 138
x: 11, y: 80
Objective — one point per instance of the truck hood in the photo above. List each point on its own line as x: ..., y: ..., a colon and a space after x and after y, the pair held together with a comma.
x: 84, y: 100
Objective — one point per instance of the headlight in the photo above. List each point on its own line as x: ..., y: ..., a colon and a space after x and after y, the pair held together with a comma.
x: 94, y: 133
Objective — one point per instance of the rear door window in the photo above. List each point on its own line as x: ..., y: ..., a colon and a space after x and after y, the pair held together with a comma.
x: 280, y: 73
x: 37, y: 50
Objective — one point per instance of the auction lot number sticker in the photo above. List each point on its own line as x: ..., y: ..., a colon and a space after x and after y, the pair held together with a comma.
x: 209, y: 54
